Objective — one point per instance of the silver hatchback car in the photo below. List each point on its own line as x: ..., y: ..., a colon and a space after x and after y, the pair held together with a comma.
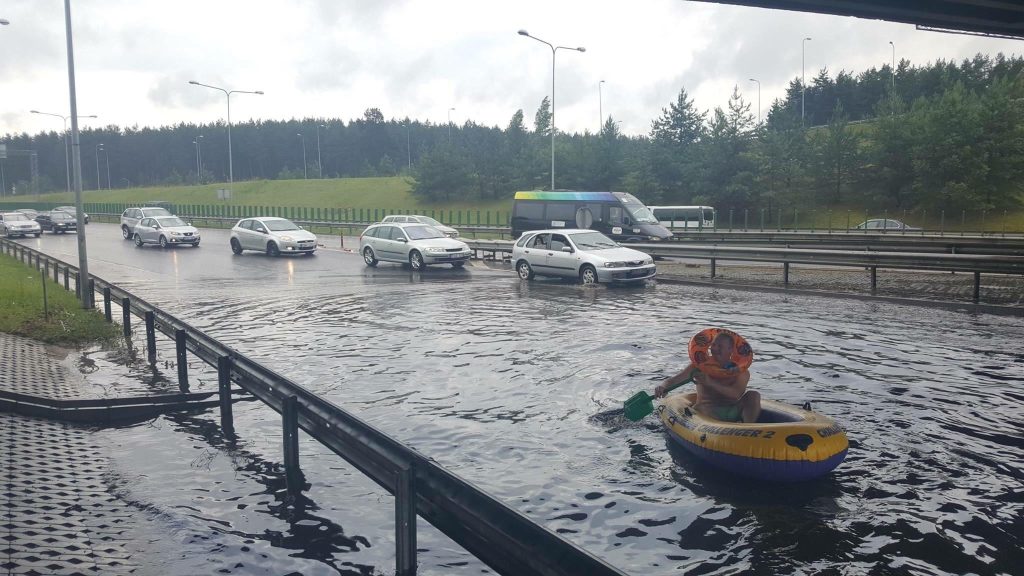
x: 585, y: 254
x: 165, y: 231
x: 418, y: 245
x: 275, y: 236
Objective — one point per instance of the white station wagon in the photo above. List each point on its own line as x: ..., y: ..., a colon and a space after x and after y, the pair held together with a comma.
x: 585, y: 254
x: 414, y: 244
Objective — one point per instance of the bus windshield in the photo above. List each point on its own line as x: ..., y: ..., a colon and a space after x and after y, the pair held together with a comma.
x: 640, y: 213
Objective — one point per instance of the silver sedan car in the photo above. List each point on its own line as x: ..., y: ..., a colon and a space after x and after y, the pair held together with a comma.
x: 587, y: 255
x: 417, y: 245
x: 274, y: 236
x: 17, y: 224
x: 165, y: 231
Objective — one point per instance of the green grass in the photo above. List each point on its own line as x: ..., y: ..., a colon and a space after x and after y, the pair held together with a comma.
x: 387, y: 193
x: 22, y: 313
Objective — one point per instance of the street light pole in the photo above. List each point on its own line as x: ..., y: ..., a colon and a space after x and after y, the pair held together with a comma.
x: 83, y: 281
x: 758, y: 100
x: 803, y: 79
x: 106, y: 157
x: 67, y: 154
x: 450, y: 126
x: 98, y: 148
x: 600, y: 108
x: 319, y: 165
x: 227, y: 94
x: 893, y: 66
x: 553, y: 50
x: 305, y: 176
x: 199, y: 159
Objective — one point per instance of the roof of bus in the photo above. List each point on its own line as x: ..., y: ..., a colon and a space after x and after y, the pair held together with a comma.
x: 569, y: 196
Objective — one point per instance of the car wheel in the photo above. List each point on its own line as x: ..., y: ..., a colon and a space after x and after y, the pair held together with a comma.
x: 272, y: 249
x: 235, y: 246
x: 588, y: 274
x: 368, y: 256
x: 138, y: 240
x: 125, y: 233
x: 37, y: 234
x: 458, y: 264
x: 525, y: 270
x: 415, y: 260
x: 163, y: 241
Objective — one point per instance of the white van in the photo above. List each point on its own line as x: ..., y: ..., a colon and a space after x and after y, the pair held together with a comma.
x: 685, y: 216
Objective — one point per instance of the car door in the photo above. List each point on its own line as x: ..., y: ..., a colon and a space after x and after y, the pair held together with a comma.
x: 536, y: 252
x: 145, y: 230
x: 393, y: 244
x: 257, y: 236
x: 558, y: 261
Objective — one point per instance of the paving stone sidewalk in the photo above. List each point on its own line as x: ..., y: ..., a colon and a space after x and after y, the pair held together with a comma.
x: 58, y: 514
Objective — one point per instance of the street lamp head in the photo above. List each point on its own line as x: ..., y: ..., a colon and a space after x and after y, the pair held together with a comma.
x: 523, y: 32
x: 260, y: 92
x: 890, y: 43
x: 193, y: 82
x: 806, y: 38
x: 4, y: 22
x: 580, y: 49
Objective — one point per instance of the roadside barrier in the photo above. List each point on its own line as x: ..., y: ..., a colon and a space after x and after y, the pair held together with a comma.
x: 500, y: 536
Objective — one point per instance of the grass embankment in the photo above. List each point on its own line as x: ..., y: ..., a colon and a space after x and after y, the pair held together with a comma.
x: 387, y: 193
x: 21, y: 309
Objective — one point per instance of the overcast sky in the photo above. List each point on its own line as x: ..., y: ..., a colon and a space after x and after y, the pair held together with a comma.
x: 419, y: 58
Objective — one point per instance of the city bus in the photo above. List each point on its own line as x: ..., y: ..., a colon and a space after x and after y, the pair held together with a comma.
x: 685, y: 216
x: 618, y: 215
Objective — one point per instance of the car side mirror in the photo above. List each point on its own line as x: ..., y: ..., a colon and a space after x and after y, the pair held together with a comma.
x: 567, y: 249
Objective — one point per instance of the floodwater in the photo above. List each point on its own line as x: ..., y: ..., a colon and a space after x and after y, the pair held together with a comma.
x: 505, y: 383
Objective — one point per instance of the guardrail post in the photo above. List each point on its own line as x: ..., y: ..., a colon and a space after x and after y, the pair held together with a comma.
x: 227, y: 420
x: 963, y: 223
x: 977, y: 286
x: 847, y: 221
x: 179, y: 340
x: 745, y: 214
x: 290, y: 436
x: 78, y: 285
x: 874, y: 279
x: 942, y: 223
x: 106, y: 304
x: 150, y: 318
x: 405, y: 522
x: 762, y: 220
x: 126, y: 317
x: 712, y: 267
x: 92, y: 292
x: 56, y: 272
x: 785, y: 274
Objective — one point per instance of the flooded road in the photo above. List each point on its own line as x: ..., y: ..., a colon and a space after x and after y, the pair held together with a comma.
x: 503, y: 382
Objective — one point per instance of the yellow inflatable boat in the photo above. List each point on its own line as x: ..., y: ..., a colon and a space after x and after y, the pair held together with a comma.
x: 787, y: 444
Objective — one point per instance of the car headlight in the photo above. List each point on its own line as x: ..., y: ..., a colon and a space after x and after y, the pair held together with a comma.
x: 287, y: 238
x: 175, y: 233
x: 614, y: 264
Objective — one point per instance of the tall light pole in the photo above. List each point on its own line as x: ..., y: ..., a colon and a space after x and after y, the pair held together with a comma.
x: 98, y: 148
x: 893, y: 66
x: 803, y: 80
x: 450, y: 126
x: 4, y: 22
x: 228, y: 93
x: 758, y: 100
x: 199, y: 159
x: 553, y: 50
x: 600, y: 108
x: 319, y: 166
x: 67, y: 154
x: 305, y: 176
x: 106, y: 157
x: 84, y: 281
x: 408, y: 146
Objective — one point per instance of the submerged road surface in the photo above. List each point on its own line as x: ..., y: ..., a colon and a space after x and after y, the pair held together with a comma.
x: 504, y: 381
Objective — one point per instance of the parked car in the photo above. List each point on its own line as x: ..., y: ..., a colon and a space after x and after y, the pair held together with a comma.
x: 57, y: 221
x: 275, y: 236
x: 587, y: 255
x: 132, y: 216
x: 17, y: 224
x: 416, y: 244
x: 884, y: 224
x: 74, y: 212
x: 28, y: 212
x: 416, y: 219
x: 165, y: 231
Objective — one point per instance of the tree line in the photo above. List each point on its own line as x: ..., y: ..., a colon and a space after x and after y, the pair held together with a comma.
x: 943, y: 136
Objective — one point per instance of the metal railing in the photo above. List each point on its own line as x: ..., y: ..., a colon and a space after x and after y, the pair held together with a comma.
x: 976, y: 264
x: 501, y: 537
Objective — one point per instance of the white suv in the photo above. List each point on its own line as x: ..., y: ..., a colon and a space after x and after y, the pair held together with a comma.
x: 132, y: 216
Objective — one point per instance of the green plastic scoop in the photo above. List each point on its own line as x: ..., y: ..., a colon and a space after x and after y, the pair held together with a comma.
x: 639, y: 405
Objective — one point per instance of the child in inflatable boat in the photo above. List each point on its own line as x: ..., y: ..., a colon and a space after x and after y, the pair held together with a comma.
x: 721, y: 377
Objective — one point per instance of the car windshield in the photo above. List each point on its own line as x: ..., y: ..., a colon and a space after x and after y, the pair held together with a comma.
x: 16, y: 216
x: 593, y: 241
x: 281, y: 225
x: 423, y: 232
x: 640, y: 213
x: 428, y: 220
x: 170, y: 221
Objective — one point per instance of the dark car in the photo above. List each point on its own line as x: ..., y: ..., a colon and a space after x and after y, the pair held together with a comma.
x: 57, y: 221
x: 884, y: 224
x: 71, y: 210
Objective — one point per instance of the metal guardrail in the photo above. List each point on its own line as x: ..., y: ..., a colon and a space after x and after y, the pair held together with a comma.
x: 503, y: 538
x: 973, y: 263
